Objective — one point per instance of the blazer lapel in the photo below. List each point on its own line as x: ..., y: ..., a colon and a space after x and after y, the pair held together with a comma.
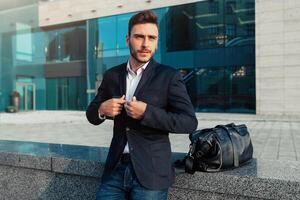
x: 122, y: 79
x: 147, y: 74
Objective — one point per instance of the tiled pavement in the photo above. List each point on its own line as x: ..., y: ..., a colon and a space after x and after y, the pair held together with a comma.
x: 273, y: 137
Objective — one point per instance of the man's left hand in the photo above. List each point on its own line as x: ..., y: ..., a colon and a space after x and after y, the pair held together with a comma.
x: 135, y: 108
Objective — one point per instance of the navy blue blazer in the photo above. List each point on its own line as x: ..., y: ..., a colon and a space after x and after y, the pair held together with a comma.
x: 169, y: 109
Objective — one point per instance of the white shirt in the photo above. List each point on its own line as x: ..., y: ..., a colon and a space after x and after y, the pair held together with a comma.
x: 132, y: 81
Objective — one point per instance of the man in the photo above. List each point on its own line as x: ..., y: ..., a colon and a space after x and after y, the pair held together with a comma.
x: 146, y: 100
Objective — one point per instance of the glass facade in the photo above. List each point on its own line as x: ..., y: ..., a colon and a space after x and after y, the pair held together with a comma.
x: 46, y: 66
x: 59, y: 68
x: 211, y: 42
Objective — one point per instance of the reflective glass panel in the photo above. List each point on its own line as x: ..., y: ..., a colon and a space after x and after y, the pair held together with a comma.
x: 209, y: 40
x: 107, y: 33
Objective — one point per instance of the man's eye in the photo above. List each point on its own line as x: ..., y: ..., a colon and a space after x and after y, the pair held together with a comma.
x: 152, y: 38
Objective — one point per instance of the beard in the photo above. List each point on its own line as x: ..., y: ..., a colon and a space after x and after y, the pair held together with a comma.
x: 134, y: 53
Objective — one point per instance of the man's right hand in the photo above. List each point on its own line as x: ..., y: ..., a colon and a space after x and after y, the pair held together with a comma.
x: 112, y: 107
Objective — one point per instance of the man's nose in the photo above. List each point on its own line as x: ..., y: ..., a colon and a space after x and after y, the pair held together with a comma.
x: 145, y: 42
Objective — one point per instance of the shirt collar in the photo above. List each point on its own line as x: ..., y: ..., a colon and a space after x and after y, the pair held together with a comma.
x: 140, y: 70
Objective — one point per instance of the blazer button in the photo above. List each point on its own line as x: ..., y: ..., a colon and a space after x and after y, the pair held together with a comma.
x: 127, y: 129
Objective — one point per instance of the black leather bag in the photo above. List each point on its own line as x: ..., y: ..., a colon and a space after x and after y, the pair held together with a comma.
x: 222, y: 147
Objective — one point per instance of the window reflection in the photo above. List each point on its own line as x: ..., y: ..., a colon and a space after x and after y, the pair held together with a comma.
x: 66, y: 45
x: 230, y: 7
x: 211, y: 42
x: 214, y: 7
x: 222, y: 89
x: 122, y: 26
x: 205, y: 25
x: 24, y: 49
x: 210, y: 91
x: 107, y: 33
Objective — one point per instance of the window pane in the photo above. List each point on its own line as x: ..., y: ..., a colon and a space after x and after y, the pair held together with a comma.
x: 240, y: 23
x: 122, y: 30
x: 210, y: 89
x: 195, y: 26
x: 107, y: 33
x: 51, y: 94
x: 66, y: 44
x: 242, y: 89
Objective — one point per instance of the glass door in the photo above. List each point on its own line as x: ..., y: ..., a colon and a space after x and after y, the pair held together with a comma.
x: 27, y: 93
x: 66, y: 93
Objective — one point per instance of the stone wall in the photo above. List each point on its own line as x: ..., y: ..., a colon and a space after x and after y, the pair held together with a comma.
x: 277, y: 57
x: 57, y: 177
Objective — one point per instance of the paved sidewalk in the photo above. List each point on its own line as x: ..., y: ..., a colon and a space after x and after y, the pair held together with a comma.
x: 273, y: 137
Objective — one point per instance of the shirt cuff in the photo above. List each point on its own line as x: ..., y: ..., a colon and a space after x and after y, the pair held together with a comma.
x: 101, y: 117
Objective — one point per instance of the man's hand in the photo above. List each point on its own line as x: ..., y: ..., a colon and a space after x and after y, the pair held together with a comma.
x: 135, y: 109
x: 112, y: 107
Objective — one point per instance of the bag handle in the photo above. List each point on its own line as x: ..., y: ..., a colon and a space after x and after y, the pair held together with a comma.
x: 220, y: 160
x: 189, y: 161
x: 233, y: 140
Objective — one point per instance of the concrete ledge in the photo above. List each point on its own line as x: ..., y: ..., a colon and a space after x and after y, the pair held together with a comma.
x: 52, y: 171
x: 257, y: 180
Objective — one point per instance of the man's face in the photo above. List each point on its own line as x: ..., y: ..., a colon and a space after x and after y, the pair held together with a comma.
x: 142, y: 41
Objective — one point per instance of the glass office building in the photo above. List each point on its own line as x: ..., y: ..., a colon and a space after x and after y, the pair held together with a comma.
x: 60, y: 67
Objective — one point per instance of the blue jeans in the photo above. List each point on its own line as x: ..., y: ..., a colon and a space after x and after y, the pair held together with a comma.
x: 123, y: 184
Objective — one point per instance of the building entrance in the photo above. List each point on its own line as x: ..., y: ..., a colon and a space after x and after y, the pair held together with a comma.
x: 27, y: 93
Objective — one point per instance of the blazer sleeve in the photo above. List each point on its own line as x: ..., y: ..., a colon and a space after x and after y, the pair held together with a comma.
x: 179, y: 117
x: 92, y: 109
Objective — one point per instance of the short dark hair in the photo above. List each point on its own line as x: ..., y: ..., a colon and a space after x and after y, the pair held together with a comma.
x: 142, y: 17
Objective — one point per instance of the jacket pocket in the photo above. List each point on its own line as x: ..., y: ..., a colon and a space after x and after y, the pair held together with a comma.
x: 161, y: 158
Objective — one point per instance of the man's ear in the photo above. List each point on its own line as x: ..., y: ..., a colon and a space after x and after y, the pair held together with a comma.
x: 127, y: 40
